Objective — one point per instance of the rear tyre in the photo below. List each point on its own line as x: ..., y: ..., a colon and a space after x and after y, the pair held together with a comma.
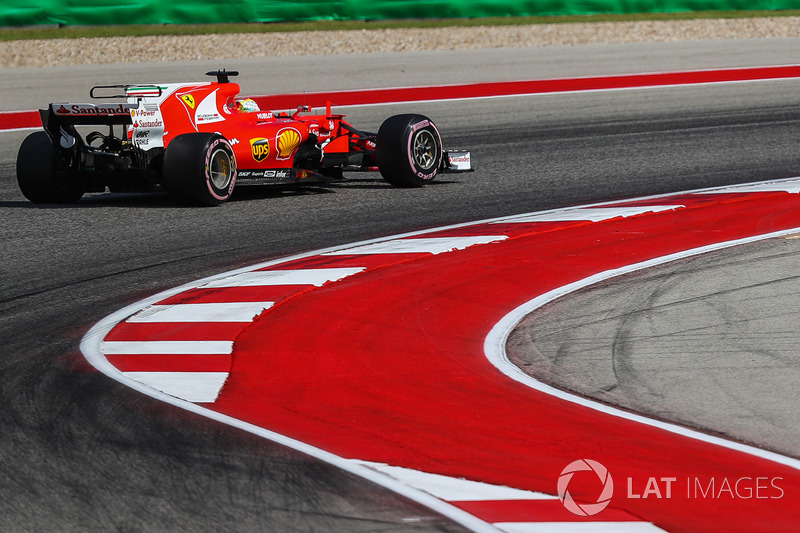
x: 199, y: 169
x: 36, y: 173
x: 409, y: 150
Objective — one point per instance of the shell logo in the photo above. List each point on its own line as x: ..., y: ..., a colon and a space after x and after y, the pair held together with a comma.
x: 287, y: 141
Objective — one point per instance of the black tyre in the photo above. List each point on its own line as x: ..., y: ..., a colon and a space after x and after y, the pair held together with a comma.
x: 409, y: 150
x: 199, y: 169
x: 36, y: 173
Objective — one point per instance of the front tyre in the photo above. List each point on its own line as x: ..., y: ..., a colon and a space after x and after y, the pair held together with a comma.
x: 409, y: 150
x: 199, y: 169
x: 36, y: 173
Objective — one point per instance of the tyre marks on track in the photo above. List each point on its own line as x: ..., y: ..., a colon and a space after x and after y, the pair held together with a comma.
x: 374, y: 352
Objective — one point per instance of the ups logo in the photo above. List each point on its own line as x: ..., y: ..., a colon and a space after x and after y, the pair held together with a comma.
x: 259, y: 148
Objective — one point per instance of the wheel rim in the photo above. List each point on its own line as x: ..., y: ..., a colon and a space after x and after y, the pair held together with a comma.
x: 220, y: 169
x: 424, y: 149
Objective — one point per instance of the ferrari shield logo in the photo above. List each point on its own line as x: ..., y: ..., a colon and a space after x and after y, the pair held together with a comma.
x: 188, y: 99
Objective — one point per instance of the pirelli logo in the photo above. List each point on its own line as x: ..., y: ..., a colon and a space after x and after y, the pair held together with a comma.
x: 259, y: 148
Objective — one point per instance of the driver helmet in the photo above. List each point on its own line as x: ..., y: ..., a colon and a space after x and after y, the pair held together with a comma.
x: 248, y: 105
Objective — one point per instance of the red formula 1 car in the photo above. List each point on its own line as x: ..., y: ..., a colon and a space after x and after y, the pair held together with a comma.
x: 199, y: 140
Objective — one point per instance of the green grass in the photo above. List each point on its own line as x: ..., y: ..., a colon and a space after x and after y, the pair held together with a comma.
x: 74, y: 32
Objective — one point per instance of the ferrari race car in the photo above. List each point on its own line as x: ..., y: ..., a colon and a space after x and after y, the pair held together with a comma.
x: 199, y: 140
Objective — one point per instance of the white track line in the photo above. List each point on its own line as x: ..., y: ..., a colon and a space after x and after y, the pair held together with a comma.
x: 93, y: 341
x: 578, y: 527
x: 593, y: 214
x: 200, y: 387
x: 263, y: 278
x: 167, y: 347
x: 207, y: 312
x: 495, y: 349
x: 433, y: 245
x: 456, y: 490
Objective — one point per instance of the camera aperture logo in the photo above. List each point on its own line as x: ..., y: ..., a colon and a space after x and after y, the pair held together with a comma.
x: 593, y: 468
x: 588, y: 476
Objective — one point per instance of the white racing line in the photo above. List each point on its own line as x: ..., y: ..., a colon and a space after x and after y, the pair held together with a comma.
x: 495, y: 349
x: 427, y: 489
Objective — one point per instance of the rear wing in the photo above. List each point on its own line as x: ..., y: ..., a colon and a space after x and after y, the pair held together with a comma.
x: 78, y: 114
x: 59, y: 119
x: 109, y: 114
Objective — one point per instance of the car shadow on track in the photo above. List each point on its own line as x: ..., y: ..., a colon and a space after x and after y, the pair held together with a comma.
x: 242, y: 194
x: 162, y: 199
x: 261, y: 192
x: 373, y: 183
x: 102, y: 200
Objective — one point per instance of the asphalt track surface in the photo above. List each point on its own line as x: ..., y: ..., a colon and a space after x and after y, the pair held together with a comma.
x: 81, y: 452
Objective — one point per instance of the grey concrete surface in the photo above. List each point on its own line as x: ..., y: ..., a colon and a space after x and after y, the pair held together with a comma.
x: 28, y: 88
x: 710, y: 343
